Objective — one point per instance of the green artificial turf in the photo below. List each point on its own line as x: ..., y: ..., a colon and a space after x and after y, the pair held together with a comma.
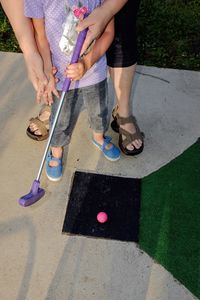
x: 170, y: 217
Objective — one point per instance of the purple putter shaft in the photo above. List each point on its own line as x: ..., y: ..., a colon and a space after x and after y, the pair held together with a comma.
x: 75, y: 56
x: 65, y: 88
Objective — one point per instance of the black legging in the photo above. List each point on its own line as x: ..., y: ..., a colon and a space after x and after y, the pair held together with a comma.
x: 123, y: 50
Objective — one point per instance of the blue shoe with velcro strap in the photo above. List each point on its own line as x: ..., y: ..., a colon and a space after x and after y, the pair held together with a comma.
x: 112, y: 153
x: 53, y: 173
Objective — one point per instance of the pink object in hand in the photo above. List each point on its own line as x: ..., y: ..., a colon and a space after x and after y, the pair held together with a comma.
x: 102, y: 217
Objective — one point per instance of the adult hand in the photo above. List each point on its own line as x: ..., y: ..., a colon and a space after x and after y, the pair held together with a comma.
x: 50, y: 89
x: 45, y: 91
x: 96, y: 23
x: 36, y: 74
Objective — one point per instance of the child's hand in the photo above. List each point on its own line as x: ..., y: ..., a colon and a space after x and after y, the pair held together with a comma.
x: 75, y: 71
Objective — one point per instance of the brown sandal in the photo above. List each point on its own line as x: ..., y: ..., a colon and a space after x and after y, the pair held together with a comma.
x: 42, y: 126
x: 129, y: 137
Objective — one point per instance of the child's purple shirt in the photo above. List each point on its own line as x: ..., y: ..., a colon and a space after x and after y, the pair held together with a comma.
x: 54, y: 13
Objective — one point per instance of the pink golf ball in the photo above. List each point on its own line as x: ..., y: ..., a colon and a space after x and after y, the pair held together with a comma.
x: 102, y: 217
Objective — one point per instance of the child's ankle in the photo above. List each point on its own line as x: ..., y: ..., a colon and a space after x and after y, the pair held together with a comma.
x: 57, y: 152
x: 98, y: 137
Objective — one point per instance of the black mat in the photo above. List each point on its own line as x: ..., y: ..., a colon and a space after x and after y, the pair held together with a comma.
x: 119, y: 197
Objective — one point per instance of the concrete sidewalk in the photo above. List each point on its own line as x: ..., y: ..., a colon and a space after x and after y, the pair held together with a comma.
x: 37, y: 262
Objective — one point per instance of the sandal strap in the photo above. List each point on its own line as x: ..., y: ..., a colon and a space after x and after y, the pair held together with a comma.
x: 130, y: 137
x: 114, y: 111
x: 125, y: 120
x: 40, y: 125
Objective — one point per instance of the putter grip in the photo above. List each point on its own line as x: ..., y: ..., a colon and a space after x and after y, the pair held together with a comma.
x: 75, y: 56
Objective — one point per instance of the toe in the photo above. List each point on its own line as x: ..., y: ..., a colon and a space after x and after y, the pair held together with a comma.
x: 33, y: 128
x: 130, y: 147
x: 137, y: 144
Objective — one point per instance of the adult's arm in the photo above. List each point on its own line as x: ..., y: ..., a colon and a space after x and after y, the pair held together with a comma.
x: 44, y: 50
x: 101, y: 46
x: 23, y: 30
x: 99, y: 18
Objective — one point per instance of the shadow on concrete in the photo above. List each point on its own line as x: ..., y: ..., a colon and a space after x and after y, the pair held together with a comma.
x: 12, y: 227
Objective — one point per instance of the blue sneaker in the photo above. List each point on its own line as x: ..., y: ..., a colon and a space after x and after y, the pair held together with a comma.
x: 113, y: 153
x: 53, y: 173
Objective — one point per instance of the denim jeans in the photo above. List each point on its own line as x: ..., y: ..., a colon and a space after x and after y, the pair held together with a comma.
x: 95, y: 99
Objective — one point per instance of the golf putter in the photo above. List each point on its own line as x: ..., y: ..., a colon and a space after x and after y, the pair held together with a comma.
x: 36, y: 192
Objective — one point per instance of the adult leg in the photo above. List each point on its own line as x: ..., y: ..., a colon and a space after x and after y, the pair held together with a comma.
x: 122, y: 80
x: 122, y: 57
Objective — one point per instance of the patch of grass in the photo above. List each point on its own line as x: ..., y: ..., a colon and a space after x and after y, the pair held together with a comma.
x: 168, y: 34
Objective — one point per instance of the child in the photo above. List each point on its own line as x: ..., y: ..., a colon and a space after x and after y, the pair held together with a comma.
x: 88, y: 76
